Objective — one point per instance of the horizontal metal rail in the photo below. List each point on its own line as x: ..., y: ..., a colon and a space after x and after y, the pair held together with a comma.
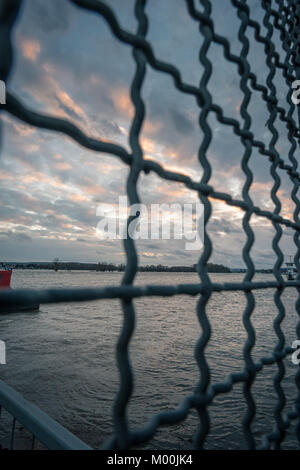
x: 47, y: 430
x: 17, y: 297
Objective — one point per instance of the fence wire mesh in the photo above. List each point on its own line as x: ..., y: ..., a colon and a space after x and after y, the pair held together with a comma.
x: 279, y: 15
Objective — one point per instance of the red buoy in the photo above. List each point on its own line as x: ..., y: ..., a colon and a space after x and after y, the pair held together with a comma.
x: 12, y: 306
x: 5, y: 277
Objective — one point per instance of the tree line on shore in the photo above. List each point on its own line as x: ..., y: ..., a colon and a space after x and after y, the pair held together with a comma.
x: 110, y: 267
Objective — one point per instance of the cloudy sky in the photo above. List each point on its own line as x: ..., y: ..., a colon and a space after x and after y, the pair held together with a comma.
x: 69, y: 64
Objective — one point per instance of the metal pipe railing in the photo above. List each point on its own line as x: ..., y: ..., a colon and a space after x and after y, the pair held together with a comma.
x: 43, y: 428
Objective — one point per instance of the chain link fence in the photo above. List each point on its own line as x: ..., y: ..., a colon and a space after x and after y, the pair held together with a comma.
x: 279, y: 15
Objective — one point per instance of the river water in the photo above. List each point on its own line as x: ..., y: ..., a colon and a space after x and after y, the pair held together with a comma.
x: 63, y: 359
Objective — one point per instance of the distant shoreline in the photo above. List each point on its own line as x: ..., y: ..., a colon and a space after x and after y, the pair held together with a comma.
x: 110, y: 267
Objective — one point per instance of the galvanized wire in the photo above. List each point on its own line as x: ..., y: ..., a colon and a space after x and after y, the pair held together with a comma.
x: 280, y: 15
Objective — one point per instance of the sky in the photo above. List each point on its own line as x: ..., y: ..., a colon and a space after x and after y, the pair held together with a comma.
x: 68, y: 64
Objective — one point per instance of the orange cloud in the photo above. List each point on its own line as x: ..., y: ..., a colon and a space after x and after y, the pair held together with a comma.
x: 23, y: 130
x: 220, y: 207
x: 30, y: 49
x: 37, y: 177
x: 173, y: 155
x: 67, y: 101
x: 122, y: 101
x: 79, y: 198
x: 30, y: 148
x: 148, y: 145
x: 64, y: 166
x: 179, y: 192
x: 259, y: 186
x: 94, y: 190
x: 49, y: 89
x: 6, y: 176
x: 150, y: 127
